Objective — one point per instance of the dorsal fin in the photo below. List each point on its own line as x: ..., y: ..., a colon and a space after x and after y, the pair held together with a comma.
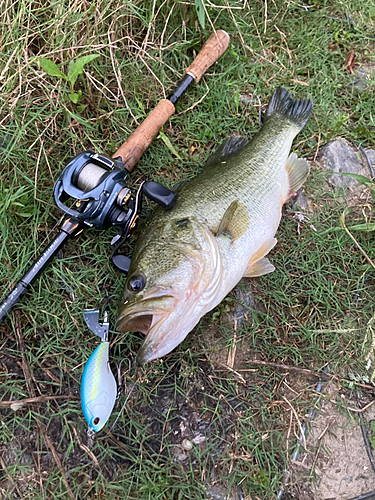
x: 297, y: 169
x: 177, y: 187
x: 227, y: 149
x: 235, y: 222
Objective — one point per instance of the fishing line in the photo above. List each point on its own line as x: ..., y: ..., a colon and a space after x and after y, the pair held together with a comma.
x: 365, y: 496
x: 126, y: 400
x: 369, y: 163
x: 365, y: 437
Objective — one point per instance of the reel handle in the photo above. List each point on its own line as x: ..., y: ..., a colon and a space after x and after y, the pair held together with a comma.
x: 133, y: 148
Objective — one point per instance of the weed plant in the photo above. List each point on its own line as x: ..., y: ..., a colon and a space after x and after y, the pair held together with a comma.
x: 304, y: 315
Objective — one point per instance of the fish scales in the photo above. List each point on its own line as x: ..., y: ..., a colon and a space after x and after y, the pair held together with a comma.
x: 229, y: 177
x: 221, y: 228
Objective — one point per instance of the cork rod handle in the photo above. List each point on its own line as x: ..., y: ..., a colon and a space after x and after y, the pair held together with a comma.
x: 137, y: 143
x: 215, y: 47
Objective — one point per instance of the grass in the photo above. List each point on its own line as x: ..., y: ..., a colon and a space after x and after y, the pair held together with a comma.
x: 304, y: 311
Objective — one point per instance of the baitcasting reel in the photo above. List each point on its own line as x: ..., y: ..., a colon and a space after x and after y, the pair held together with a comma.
x: 96, y: 184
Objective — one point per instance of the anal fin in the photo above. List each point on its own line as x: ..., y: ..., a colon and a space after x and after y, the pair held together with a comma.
x: 298, y: 170
x: 258, y: 264
x: 258, y: 268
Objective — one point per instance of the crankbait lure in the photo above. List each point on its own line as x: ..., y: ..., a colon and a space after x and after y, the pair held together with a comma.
x: 98, y: 385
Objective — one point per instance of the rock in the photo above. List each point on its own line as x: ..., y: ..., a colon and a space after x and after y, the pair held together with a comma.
x: 363, y: 74
x: 243, y: 310
x: 217, y: 492
x: 371, y: 155
x: 339, y: 156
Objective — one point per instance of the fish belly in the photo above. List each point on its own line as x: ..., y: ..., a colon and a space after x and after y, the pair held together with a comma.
x: 264, y: 210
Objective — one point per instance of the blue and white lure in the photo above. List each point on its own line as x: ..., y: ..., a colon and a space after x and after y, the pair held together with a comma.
x: 98, y: 385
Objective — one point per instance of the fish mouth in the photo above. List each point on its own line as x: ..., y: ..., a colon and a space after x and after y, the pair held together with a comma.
x: 166, y: 333
x: 144, y: 314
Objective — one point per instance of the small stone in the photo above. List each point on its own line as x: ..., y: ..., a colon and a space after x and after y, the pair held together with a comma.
x: 339, y: 156
x: 16, y: 405
x: 26, y: 458
x: 363, y: 75
x: 199, y: 439
x: 187, y: 444
x: 217, y: 492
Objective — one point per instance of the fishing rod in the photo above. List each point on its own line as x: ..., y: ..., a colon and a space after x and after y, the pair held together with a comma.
x: 95, y: 184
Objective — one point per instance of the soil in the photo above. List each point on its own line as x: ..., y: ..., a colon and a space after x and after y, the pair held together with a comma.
x: 336, y: 463
x: 333, y: 467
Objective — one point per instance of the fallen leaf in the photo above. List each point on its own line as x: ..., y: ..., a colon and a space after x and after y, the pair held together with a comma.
x: 350, y: 62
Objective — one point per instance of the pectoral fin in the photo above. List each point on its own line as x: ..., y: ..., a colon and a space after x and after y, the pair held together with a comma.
x: 258, y: 264
x: 236, y: 221
x: 297, y: 169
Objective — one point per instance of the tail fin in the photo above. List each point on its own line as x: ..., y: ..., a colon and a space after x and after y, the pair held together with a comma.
x: 283, y: 105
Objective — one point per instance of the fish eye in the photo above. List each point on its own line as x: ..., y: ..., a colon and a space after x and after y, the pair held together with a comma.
x: 137, y: 283
x: 96, y: 421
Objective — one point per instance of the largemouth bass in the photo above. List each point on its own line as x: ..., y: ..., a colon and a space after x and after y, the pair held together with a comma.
x: 223, y: 225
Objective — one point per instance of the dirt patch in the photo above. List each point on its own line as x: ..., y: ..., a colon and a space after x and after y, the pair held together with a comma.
x: 336, y: 465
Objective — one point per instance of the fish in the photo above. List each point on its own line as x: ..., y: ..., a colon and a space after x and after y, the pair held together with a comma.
x: 98, y: 384
x: 222, y: 226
